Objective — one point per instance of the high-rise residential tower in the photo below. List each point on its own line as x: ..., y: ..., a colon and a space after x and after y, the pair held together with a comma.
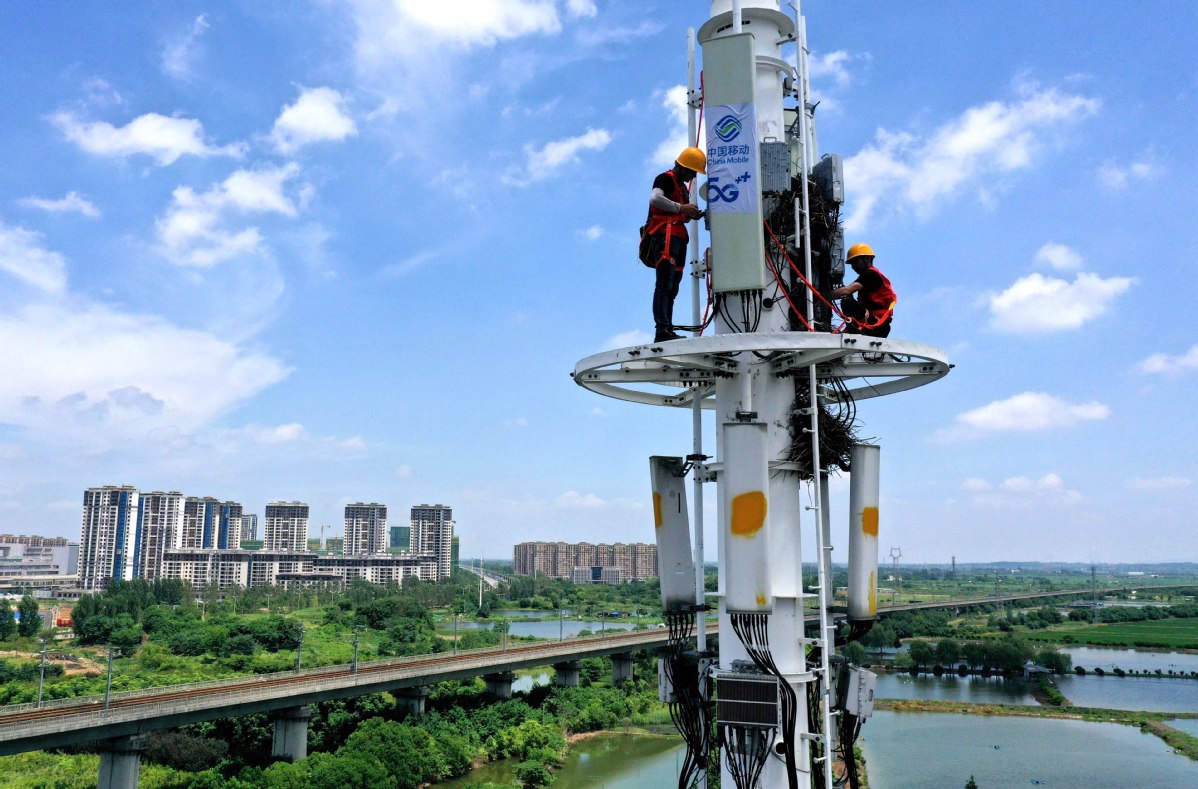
x: 285, y: 526
x: 432, y: 535
x: 249, y: 526
x: 159, y: 529
x: 108, y: 535
x: 365, y: 528
x: 201, y: 518
x: 228, y: 526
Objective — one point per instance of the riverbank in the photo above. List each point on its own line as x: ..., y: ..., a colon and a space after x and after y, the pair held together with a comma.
x: 1149, y: 722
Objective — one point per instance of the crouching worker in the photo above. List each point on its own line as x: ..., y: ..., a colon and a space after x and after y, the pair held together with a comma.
x: 663, y: 243
x: 872, y: 311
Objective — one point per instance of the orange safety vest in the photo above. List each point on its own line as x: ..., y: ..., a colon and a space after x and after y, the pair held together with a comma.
x: 673, y: 225
x: 879, y: 304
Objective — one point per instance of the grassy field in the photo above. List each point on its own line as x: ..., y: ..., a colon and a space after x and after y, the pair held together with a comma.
x: 1165, y: 633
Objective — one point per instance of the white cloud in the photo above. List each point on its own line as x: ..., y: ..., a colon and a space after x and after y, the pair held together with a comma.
x: 83, y: 371
x: 404, y: 471
x: 73, y: 202
x: 1162, y: 483
x: 573, y: 500
x: 831, y: 65
x: 582, y: 7
x: 627, y: 339
x: 23, y: 256
x: 163, y: 138
x: 1025, y: 412
x: 1019, y: 492
x: 515, y: 422
x: 391, y: 30
x: 1059, y: 257
x: 316, y: 116
x: 553, y: 156
x: 902, y: 171
x: 1036, y: 303
x: 179, y: 56
x: 593, y: 233
x: 1114, y: 176
x: 1162, y: 363
x: 677, y: 138
x: 612, y: 36
x: 279, y: 434
x: 193, y: 232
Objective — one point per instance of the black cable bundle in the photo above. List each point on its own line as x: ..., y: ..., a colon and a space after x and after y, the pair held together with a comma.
x: 815, y: 726
x: 753, y: 632
x: 837, y: 427
x: 689, y: 709
x: 850, y: 729
x: 825, y: 222
x: 745, y: 749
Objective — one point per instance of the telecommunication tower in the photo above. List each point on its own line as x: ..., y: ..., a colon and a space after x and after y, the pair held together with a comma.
x: 782, y: 380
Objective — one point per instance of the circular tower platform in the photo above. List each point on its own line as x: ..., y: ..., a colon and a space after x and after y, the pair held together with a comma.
x: 675, y: 373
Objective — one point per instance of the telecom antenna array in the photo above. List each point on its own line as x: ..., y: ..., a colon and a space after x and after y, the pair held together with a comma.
x: 782, y: 379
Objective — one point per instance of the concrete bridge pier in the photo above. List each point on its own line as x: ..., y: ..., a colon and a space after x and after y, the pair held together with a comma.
x: 120, y: 761
x: 567, y: 673
x: 410, y: 701
x: 500, y: 683
x: 621, y: 667
x: 291, y: 733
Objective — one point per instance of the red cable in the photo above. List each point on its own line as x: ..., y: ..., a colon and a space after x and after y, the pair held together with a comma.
x: 799, y: 274
x: 778, y: 278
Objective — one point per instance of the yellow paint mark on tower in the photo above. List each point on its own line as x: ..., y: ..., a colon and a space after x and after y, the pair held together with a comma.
x: 869, y: 521
x: 656, y: 510
x: 748, y: 513
x: 761, y: 599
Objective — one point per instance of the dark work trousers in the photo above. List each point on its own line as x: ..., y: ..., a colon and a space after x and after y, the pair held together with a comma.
x: 669, y: 275
x: 855, y: 309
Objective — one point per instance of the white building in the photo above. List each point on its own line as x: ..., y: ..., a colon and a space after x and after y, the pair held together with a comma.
x: 160, y: 529
x: 108, y: 535
x: 365, y: 529
x: 229, y: 568
x: 285, y: 527
x: 432, y: 535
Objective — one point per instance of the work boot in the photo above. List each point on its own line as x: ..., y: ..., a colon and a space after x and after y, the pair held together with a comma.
x: 666, y: 336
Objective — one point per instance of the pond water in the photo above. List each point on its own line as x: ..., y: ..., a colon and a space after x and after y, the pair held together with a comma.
x: 612, y: 761
x: 937, y: 751
x: 1188, y: 725
x: 527, y: 680
x: 1108, y: 658
x: 985, y: 690
x: 1131, y: 693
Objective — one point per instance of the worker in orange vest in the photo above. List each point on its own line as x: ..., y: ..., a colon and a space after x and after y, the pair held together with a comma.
x: 665, y: 237
x: 872, y: 311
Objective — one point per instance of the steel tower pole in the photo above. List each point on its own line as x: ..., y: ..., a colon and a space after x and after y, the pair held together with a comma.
x: 697, y: 276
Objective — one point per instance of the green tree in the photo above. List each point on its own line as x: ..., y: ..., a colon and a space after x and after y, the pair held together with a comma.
x: 922, y: 653
x: 948, y: 652
x: 345, y: 771
x: 854, y: 653
x: 971, y: 784
x: 533, y: 774
x: 8, y: 625
x: 31, y: 620
x: 409, y: 755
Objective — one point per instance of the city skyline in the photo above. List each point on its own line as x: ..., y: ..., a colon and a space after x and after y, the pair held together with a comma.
x: 351, y: 253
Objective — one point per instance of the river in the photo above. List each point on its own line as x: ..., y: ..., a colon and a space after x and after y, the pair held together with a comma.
x: 611, y: 761
x: 941, y: 751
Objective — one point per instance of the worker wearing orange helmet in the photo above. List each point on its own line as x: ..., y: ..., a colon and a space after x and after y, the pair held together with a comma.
x: 872, y: 311
x: 663, y: 242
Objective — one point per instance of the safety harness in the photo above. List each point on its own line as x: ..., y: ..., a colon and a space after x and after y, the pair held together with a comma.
x: 879, y: 304
x: 674, y: 225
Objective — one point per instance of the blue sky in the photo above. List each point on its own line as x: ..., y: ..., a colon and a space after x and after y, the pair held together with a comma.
x: 351, y: 251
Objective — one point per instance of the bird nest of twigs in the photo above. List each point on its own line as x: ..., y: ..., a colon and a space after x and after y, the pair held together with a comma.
x: 837, y: 429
